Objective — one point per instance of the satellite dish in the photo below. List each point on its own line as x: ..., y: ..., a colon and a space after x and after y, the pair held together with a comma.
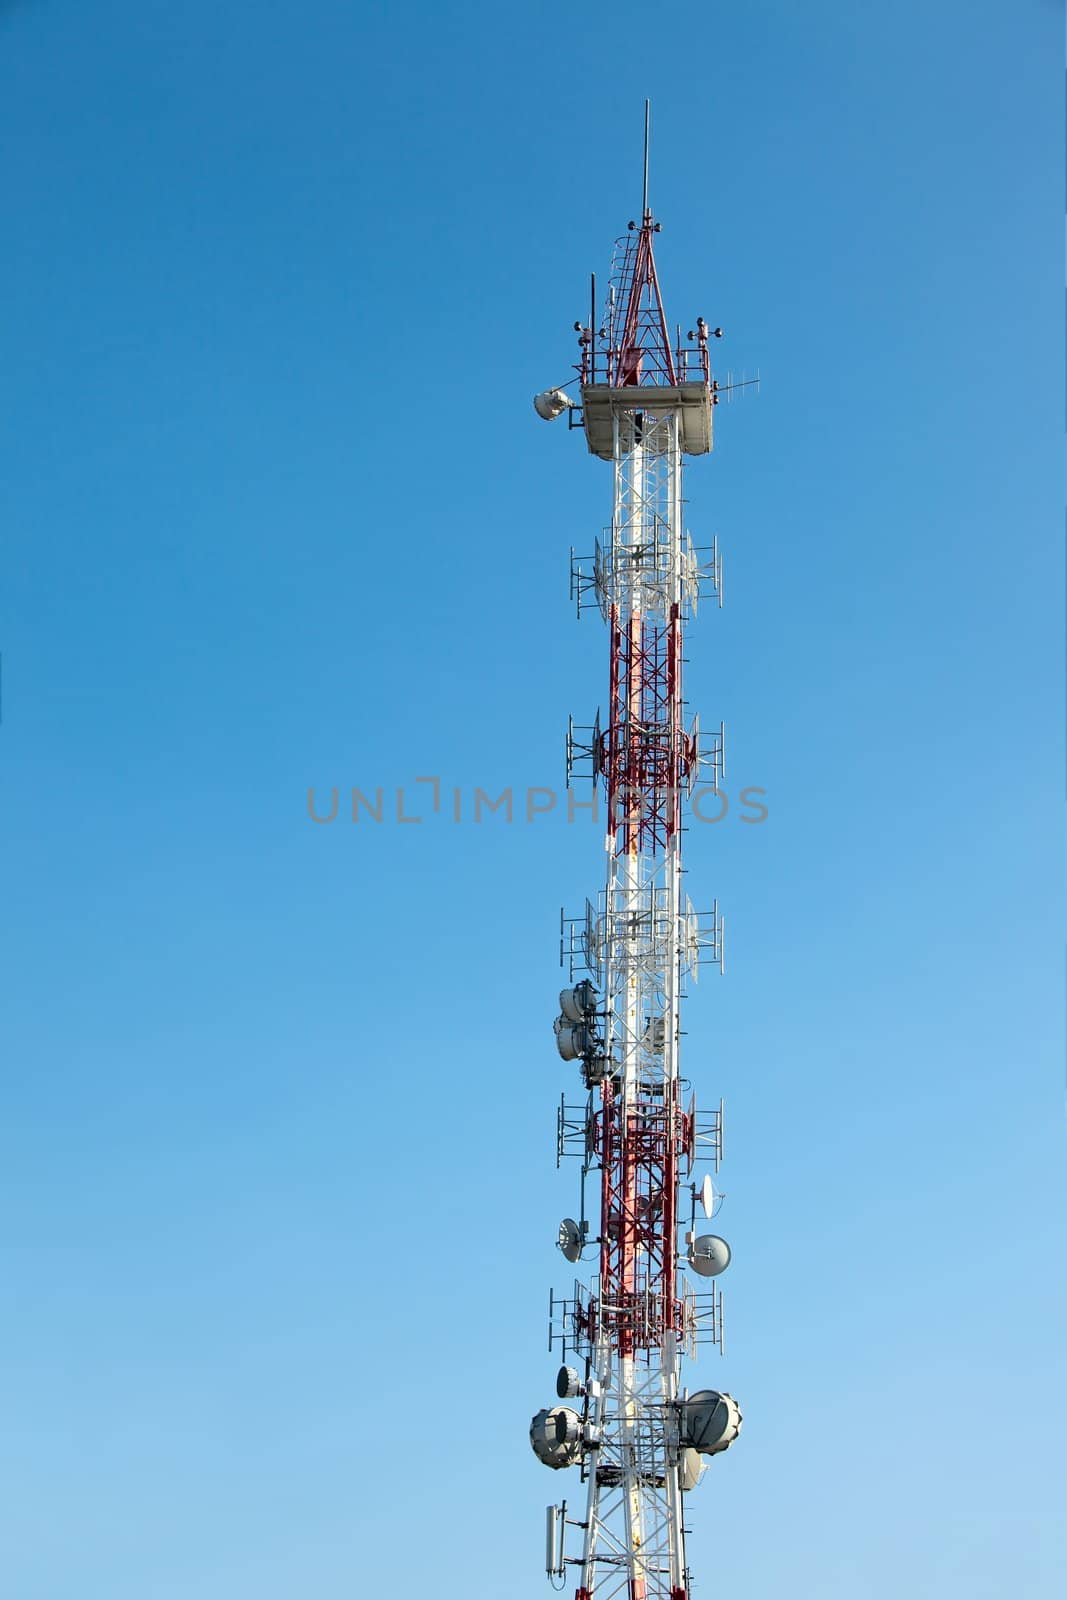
x: 690, y: 1468
x: 707, y: 1196
x: 570, y: 1006
x: 572, y: 1038
x: 569, y: 1383
x: 556, y: 1436
x: 551, y: 403
x: 576, y: 1003
x: 709, y: 1255
x: 710, y: 1422
x: 570, y: 1239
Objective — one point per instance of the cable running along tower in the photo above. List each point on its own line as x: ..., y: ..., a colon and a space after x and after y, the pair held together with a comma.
x: 639, y: 1439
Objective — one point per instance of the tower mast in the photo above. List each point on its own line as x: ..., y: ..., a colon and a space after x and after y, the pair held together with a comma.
x: 639, y: 1439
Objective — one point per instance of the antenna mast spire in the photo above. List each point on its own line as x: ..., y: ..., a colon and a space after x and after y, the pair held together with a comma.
x: 640, y: 1440
x: 644, y: 190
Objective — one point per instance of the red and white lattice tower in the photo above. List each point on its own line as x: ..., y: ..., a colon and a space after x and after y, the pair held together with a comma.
x: 639, y: 1439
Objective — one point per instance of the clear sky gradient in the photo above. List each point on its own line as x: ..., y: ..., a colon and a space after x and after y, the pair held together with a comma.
x: 277, y: 1187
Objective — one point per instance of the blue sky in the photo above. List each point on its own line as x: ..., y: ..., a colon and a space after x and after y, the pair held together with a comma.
x: 277, y: 1189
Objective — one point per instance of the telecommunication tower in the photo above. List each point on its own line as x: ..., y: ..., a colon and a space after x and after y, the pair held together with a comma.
x: 638, y: 1437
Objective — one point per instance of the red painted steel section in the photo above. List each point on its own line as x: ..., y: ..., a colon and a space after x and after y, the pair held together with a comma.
x: 644, y: 353
x: 647, y: 757
x: 634, y: 348
x: 639, y: 1181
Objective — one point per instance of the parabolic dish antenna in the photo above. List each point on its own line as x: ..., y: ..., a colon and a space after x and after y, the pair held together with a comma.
x: 707, y: 1196
x: 570, y: 1239
x: 709, y: 1255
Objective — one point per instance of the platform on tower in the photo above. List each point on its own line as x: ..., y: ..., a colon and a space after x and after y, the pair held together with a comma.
x: 602, y: 401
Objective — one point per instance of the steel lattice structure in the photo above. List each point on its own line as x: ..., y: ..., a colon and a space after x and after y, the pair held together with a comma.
x: 639, y: 1438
